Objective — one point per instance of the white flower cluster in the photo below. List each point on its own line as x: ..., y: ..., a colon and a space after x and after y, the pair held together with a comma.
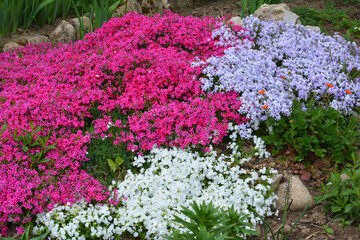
x: 260, y: 148
x: 243, y: 130
x: 176, y: 177
x: 236, y: 132
x: 66, y: 222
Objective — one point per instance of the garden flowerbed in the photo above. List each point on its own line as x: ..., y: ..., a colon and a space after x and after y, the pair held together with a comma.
x: 109, y: 136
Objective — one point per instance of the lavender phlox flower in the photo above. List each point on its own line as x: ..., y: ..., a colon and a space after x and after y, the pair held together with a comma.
x: 229, y: 37
x: 288, y: 62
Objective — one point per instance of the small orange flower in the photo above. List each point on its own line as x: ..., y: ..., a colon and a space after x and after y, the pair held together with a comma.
x: 262, y: 91
x: 348, y: 91
x: 291, y: 121
x: 329, y: 85
x: 282, y: 77
x: 265, y: 107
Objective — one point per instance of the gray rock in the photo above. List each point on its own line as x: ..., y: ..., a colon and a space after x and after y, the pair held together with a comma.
x: 146, y: 6
x: 344, y: 177
x: 180, y: 3
x: 151, y: 6
x: 276, y: 180
x: 299, y: 195
x: 76, y: 24
x: 29, y: 39
x: 313, y: 28
x: 134, y: 6
x: 120, y: 11
x: 63, y: 33
x: 10, y: 46
x: 22, y: 40
x: 290, y: 17
x: 273, y: 11
x: 237, y: 21
x: 277, y: 12
x: 37, y: 39
x: 305, y: 231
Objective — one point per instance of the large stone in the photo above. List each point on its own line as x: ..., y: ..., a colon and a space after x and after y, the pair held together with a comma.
x: 37, y: 39
x: 277, y: 12
x: 86, y: 26
x: 180, y: 3
x: 10, y: 46
x: 237, y: 21
x: 313, y: 28
x: 120, y: 11
x: 27, y: 39
x: 22, y: 40
x: 146, y: 6
x: 151, y: 6
x: 276, y: 180
x: 290, y: 17
x: 299, y: 195
x: 134, y: 6
x: 63, y: 33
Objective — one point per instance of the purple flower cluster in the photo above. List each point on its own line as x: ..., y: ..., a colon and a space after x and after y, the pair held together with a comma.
x: 286, y: 62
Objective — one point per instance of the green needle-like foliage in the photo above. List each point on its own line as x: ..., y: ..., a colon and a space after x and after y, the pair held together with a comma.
x: 210, y: 222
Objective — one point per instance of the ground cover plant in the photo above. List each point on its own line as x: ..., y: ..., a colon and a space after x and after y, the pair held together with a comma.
x: 108, y: 75
x: 156, y: 95
x: 331, y: 15
x: 322, y: 77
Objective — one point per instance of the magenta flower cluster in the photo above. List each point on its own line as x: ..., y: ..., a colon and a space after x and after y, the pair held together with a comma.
x: 137, y: 65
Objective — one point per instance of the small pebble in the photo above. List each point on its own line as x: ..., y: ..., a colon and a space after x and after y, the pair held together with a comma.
x: 305, y: 231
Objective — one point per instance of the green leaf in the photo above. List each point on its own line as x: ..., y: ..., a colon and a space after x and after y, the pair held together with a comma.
x: 3, y: 128
x: 41, y: 6
x: 112, y: 165
x: 25, y: 149
x: 45, y: 160
x: 50, y: 148
x: 243, y: 9
x: 329, y: 230
x: 349, y: 208
x: 274, y: 152
x: 37, y: 130
x: 113, y: 7
x: 119, y: 161
x: 34, y: 144
x: 39, y: 155
x: 33, y: 157
x: 28, y: 140
x: 25, y: 236
x: 335, y: 209
x: 42, y: 236
x: 41, y: 140
x: 320, y: 152
x: 354, y: 156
